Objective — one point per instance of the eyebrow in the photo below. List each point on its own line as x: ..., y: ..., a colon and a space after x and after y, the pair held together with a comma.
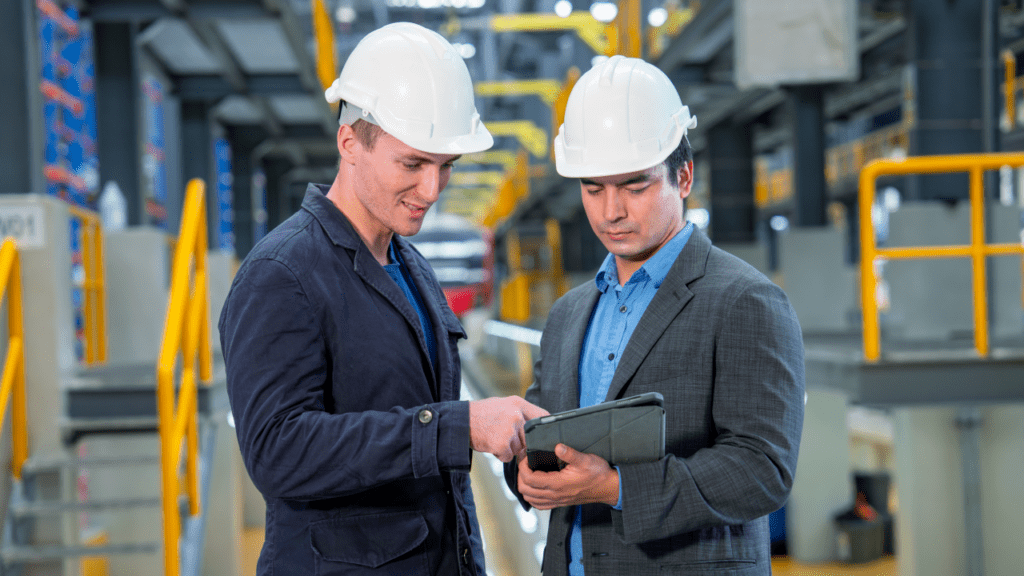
x: 425, y: 159
x: 634, y: 180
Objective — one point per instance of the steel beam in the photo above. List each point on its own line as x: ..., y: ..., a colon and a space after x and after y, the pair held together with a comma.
x: 117, y: 98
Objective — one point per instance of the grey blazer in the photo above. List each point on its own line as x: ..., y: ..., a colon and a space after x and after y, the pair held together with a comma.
x: 723, y: 346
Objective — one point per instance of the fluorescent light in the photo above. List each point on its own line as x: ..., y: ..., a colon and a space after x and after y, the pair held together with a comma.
x: 657, y: 17
x: 345, y: 14
x: 779, y: 223
x: 563, y: 8
x: 604, y: 11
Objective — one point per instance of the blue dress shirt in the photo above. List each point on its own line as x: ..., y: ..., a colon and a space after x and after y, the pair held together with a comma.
x: 618, y: 310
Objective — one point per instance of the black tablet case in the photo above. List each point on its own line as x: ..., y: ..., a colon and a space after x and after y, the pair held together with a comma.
x: 622, y: 431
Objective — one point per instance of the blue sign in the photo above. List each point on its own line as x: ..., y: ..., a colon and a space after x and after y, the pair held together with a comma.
x: 225, y: 212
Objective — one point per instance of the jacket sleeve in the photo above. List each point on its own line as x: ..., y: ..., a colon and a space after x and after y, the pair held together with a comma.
x: 533, y: 394
x: 757, y: 412
x: 278, y: 365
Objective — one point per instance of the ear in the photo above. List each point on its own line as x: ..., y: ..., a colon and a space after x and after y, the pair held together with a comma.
x: 685, y: 179
x: 348, y: 144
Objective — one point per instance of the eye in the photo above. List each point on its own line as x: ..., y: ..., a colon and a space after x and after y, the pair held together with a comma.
x: 411, y: 165
x: 448, y: 165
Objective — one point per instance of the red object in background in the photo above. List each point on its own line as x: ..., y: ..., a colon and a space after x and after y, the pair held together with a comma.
x: 462, y: 256
x: 462, y: 299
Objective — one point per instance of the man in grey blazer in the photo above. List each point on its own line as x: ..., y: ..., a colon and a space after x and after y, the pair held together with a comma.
x: 669, y: 313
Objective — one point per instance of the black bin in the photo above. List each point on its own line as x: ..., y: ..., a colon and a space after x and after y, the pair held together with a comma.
x: 858, y: 540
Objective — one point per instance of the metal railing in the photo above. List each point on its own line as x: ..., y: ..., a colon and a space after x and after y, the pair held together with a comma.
x: 13, y: 382
x: 186, y: 331
x: 977, y: 250
x: 93, y: 285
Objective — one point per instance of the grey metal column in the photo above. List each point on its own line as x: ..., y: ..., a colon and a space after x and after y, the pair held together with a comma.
x: 945, y: 49
x: 278, y: 204
x: 197, y: 156
x: 244, y: 139
x: 117, y: 112
x: 810, y: 194
x: 968, y: 421
x: 731, y: 152
x: 20, y: 116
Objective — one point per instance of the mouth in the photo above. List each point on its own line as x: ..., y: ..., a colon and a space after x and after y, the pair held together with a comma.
x: 616, y: 235
x: 415, y: 210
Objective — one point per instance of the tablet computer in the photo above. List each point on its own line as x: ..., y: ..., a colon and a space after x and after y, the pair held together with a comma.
x: 623, y: 431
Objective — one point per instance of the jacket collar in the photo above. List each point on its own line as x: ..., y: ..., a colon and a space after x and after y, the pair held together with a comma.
x: 331, y: 219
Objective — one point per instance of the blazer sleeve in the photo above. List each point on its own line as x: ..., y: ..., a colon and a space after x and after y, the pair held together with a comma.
x: 757, y: 413
x: 277, y: 362
x: 549, y: 339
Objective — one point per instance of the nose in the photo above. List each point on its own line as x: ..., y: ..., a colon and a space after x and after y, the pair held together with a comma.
x: 432, y: 181
x: 614, y: 208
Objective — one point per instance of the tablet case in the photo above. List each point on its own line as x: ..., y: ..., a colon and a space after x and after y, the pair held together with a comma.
x: 622, y: 431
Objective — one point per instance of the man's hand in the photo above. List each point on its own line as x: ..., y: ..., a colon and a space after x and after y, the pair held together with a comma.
x: 586, y: 479
x: 496, y: 425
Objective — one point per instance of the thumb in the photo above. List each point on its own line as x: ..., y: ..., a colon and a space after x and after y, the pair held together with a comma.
x: 567, y: 454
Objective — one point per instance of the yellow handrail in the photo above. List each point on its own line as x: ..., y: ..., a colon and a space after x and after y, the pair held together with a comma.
x: 13, y: 383
x: 93, y: 286
x: 977, y: 250
x: 187, y: 330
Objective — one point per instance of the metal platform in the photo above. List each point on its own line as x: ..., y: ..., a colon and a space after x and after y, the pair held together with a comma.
x: 916, y: 374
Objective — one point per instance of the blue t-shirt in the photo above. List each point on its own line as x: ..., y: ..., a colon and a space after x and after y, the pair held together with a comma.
x: 400, y: 275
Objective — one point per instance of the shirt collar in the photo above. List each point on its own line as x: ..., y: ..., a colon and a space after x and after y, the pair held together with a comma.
x: 656, y: 268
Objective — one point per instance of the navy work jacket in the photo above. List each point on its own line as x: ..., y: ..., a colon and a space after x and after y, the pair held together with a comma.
x: 360, y: 448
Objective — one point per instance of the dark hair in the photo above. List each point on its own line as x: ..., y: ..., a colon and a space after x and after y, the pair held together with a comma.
x: 681, y: 155
x: 366, y: 132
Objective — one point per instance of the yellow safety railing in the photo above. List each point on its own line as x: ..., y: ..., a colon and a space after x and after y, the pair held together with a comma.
x: 13, y: 382
x: 93, y: 286
x: 186, y: 331
x: 977, y: 250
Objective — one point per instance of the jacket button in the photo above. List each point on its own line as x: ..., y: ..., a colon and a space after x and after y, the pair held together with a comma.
x: 425, y: 416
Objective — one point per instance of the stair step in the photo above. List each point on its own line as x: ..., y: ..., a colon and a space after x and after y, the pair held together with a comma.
x: 57, y: 507
x: 42, y: 553
x: 37, y: 464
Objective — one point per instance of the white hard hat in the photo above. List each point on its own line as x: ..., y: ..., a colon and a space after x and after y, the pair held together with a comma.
x: 623, y: 115
x: 412, y: 83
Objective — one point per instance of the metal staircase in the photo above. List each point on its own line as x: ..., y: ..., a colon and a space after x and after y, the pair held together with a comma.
x: 151, y: 496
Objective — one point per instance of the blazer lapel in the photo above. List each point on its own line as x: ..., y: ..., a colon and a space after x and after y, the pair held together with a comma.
x: 572, y: 347
x: 669, y: 300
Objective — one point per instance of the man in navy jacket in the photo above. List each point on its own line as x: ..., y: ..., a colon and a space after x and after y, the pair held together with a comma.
x: 342, y: 365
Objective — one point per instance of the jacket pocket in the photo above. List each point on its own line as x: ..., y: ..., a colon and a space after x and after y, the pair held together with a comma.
x: 370, y: 544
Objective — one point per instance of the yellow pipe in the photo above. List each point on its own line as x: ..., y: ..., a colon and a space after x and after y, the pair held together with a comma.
x: 589, y: 30
x: 13, y: 383
x: 868, y: 281
x: 546, y: 89
x: 323, y: 37
x: 978, y: 261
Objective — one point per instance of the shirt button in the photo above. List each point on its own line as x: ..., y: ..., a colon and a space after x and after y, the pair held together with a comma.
x: 425, y: 416
x: 622, y: 308
x: 611, y: 356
